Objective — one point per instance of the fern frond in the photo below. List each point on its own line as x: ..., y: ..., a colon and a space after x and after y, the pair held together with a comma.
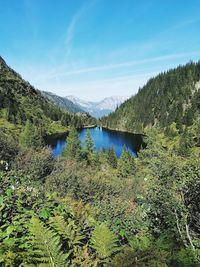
x: 68, y: 230
x: 46, y: 246
x: 104, y: 241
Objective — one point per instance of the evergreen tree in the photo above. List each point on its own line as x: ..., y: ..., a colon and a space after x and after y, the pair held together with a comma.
x: 186, y: 142
x: 196, y: 129
x: 30, y: 137
x: 112, y: 158
x: 126, y: 164
x: 89, y: 154
x: 73, y: 147
x: 103, y: 150
x: 103, y: 155
x: 88, y: 143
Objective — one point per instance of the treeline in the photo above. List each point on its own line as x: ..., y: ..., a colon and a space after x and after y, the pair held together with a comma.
x: 172, y: 96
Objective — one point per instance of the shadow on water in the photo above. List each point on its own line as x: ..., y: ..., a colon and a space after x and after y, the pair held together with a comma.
x: 101, y: 137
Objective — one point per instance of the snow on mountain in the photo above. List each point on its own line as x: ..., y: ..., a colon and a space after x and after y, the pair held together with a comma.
x: 79, y: 101
x: 100, y: 108
x: 111, y: 103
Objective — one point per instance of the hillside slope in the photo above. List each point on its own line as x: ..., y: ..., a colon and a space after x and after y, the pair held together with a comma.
x: 172, y: 96
x: 62, y: 102
x: 20, y: 101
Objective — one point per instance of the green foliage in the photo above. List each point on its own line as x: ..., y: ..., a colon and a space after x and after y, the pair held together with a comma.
x: 172, y: 96
x: 49, y: 207
x: 126, y: 164
x: 68, y: 231
x: 88, y: 143
x: 112, y: 158
x: 187, y: 258
x: 103, y: 150
x: 140, y: 242
x: 30, y: 137
x: 88, y: 152
x: 35, y: 164
x: 46, y: 246
x: 73, y: 148
x: 104, y: 241
x: 8, y: 148
x: 186, y: 142
x: 21, y: 102
x: 196, y: 128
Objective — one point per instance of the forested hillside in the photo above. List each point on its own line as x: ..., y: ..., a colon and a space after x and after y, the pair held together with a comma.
x: 19, y: 102
x: 62, y: 102
x: 172, y: 96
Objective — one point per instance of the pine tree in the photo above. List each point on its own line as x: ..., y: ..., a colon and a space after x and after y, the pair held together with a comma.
x: 73, y: 146
x: 103, y: 150
x: 196, y: 128
x: 126, y: 164
x: 88, y: 143
x: 112, y: 158
x: 30, y: 137
x: 89, y: 154
x: 185, y: 143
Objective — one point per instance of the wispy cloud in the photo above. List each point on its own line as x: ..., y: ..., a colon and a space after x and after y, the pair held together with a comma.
x: 59, y: 73
x: 29, y: 13
x: 71, y: 30
x: 104, y: 87
x: 185, y: 23
x: 76, y: 18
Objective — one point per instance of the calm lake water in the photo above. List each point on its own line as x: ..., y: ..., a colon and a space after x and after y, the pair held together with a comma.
x: 101, y: 137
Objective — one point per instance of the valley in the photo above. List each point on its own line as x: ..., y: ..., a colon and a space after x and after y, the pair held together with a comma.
x: 85, y: 199
x: 99, y: 133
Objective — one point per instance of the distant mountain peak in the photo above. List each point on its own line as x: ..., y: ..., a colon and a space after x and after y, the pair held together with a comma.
x: 98, y: 108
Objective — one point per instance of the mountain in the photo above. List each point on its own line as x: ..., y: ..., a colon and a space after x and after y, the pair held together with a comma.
x: 20, y: 101
x: 62, y: 102
x: 172, y: 96
x: 100, y: 108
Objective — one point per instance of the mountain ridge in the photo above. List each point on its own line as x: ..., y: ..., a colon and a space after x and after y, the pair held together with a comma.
x: 98, y: 108
x: 62, y: 102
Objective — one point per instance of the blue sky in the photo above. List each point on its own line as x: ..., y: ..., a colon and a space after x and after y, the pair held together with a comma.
x: 97, y: 48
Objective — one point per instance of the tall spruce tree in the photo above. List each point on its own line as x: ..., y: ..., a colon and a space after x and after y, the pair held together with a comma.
x: 88, y: 150
x: 103, y: 150
x: 112, y: 158
x: 30, y: 137
x: 88, y: 143
x: 73, y: 146
x: 126, y: 164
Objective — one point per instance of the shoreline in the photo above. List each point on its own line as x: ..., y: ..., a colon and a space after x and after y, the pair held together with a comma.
x: 121, y: 130
x: 88, y: 126
x: 66, y: 132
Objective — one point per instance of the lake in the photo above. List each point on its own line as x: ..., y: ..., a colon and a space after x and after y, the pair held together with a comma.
x: 101, y: 137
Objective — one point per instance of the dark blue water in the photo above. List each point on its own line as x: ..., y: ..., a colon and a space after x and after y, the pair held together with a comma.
x: 102, y: 137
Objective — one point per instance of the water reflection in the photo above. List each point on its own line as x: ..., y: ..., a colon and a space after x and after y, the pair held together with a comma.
x: 102, y: 137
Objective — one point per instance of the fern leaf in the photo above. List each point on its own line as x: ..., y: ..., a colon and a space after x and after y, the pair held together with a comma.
x: 104, y: 241
x: 46, y: 246
x: 68, y: 230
